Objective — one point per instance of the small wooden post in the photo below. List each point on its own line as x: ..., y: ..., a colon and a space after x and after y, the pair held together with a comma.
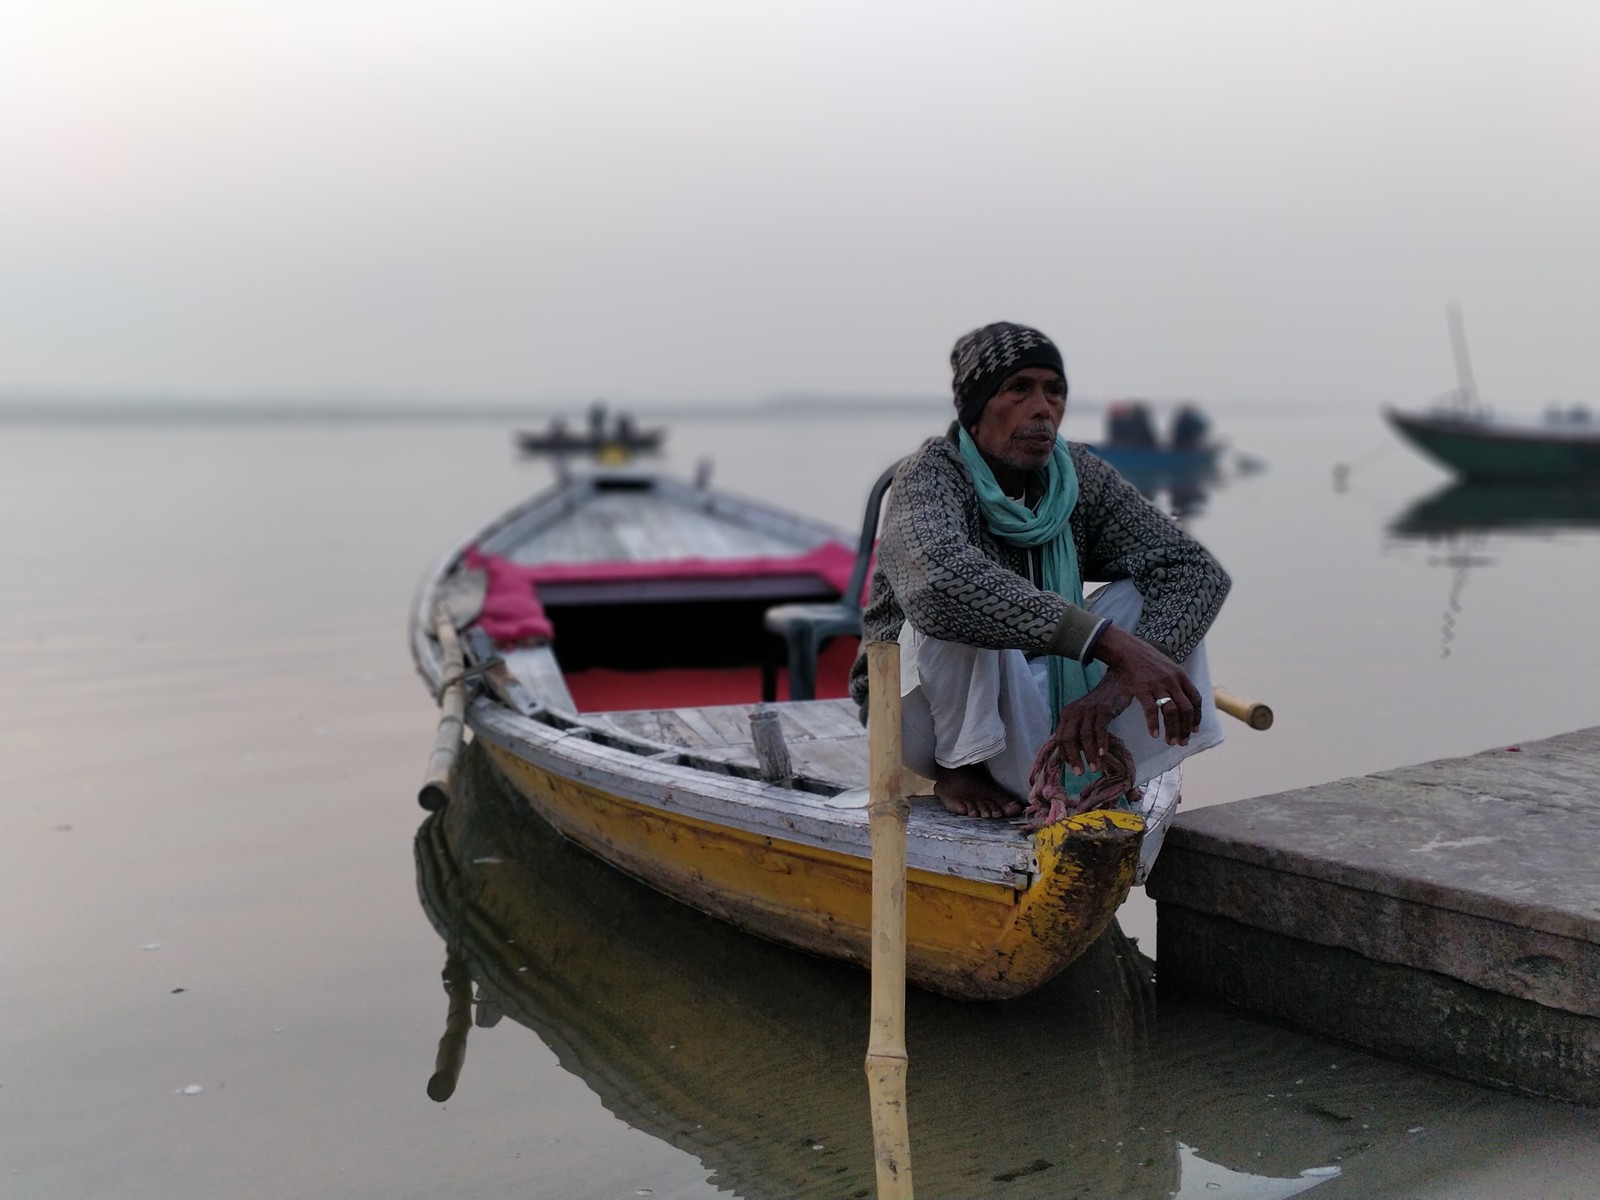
x: 772, y: 752
x: 435, y: 791
x: 887, y: 812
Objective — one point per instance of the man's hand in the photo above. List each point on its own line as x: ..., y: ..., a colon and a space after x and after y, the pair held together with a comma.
x: 1082, y: 733
x: 1136, y: 670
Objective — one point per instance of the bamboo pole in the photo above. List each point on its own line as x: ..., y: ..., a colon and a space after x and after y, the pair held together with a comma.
x: 1251, y: 712
x: 435, y: 791
x: 887, y: 812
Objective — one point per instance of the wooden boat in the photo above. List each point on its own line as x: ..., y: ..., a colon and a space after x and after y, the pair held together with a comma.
x: 1481, y: 448
x: 627, y: 612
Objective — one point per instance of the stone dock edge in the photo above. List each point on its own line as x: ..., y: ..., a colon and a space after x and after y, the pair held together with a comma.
x: 1447, y: 914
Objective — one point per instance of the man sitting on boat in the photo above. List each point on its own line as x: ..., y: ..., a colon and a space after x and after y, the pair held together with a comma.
x: 989, y: 534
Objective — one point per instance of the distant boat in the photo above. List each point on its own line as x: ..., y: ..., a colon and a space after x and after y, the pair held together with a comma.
x: 1465, y: 437
x: 559, y: 440
x: 609, y: 440
x: 1137, y: 451
x: 1482, y: 448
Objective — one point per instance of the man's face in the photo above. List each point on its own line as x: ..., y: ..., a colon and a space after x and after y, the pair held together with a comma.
x: 1018, y: 426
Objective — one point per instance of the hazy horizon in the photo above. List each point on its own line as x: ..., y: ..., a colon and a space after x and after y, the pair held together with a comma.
x: 501, y: 204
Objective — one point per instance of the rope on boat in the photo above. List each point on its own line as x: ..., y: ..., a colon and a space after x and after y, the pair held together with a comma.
x: 465, y: 675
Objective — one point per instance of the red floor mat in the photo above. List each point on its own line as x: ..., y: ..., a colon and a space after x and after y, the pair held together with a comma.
x: 601, y: 689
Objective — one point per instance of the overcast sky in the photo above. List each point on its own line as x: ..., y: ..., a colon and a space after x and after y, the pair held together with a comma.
x: 473, y: 200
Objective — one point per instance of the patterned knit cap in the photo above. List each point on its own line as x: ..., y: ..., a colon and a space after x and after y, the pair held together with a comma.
x: 985, y: 358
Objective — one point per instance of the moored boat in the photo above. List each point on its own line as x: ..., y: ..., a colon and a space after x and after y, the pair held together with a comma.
x: 1465, y: 437
x: 1481, y: 448
x: 615, y: 633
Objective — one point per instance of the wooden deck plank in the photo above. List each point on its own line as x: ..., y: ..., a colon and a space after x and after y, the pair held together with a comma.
x: 822, y: 718
x: 537, y: 670
x: 634, y: 527
x: 658, y: 725
x: 732, y: 723
x: 841, y: 761
x: 695, y: 720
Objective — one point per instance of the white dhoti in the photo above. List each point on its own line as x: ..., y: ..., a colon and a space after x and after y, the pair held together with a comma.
x: 962, y: 705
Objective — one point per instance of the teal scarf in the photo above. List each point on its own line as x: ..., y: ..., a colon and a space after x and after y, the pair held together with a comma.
x: 1050, y: 526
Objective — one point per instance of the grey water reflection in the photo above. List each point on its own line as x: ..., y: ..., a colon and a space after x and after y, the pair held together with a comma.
x: 1463, y: 522
x: 749, y: 1056
x: 1183, y: 486
x: 1465, y: 509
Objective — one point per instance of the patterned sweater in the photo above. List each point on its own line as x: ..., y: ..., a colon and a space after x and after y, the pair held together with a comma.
x: 939, y: 566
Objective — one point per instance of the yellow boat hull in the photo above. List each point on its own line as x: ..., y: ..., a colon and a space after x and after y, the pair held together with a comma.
x: 968, y: 939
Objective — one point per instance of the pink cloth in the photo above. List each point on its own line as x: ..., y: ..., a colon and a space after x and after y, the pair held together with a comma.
x: 512, y: 611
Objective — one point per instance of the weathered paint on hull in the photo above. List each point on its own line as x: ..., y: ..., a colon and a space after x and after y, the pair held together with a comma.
x: 971, y: 940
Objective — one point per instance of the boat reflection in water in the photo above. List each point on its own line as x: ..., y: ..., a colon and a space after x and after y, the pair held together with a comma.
x: 1462, y: 521
x: 1480, y: 508
x: 749, y: 1056
x: 1179, y: 484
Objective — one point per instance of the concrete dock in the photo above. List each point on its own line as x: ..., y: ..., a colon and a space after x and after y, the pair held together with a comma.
x: 1447, y: 913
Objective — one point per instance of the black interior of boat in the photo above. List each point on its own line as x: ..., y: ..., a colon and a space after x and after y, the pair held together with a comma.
x: 662, y: 634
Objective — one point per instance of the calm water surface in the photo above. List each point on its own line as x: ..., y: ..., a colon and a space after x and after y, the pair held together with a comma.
x: 211, y: 743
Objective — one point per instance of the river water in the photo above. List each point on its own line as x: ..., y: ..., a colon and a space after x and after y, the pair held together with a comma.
x: 217, y: 979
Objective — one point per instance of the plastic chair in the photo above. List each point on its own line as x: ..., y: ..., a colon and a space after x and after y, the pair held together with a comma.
x: 806, y: 628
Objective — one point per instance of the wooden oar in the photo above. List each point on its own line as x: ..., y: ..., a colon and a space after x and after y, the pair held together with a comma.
x: 887, y: 811
x: 435, y: 791
x: 1252, y: 712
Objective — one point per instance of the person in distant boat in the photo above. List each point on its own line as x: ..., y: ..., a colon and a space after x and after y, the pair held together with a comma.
x: 989, y: 534
x: 1189, y: 428
x: 1129, y: 427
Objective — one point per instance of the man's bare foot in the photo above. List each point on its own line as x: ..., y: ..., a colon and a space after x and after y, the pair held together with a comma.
x: 971, y: 791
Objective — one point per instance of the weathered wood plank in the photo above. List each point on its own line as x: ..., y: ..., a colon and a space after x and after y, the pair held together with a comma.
x: 537, y: 670
x: 695, y: 720
x: 731, y: 721
x: 661, y: 725
x: 843, y: 762
x: 823, y: 718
